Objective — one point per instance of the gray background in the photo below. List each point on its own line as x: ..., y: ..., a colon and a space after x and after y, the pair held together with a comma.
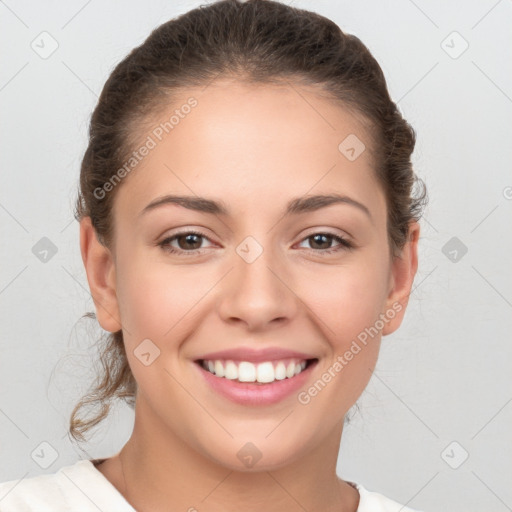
x: 444, y: 377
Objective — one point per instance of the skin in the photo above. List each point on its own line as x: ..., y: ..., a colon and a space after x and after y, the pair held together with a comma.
x: 254, y: 148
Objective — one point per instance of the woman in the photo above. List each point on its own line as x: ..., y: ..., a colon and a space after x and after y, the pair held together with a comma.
x: 249, y: 234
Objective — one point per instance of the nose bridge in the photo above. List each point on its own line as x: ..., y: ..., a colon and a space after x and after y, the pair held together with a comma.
x: 254, y: 267
x: 257, y: 293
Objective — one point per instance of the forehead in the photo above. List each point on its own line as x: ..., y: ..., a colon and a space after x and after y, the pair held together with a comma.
x: 252, y: 143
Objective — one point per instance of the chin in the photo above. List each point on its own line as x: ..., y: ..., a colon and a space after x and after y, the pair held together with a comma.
x: 255, y: 456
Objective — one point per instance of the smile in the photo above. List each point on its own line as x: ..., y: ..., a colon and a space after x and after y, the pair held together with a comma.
x: 263, y: 372
x: 256, y: 383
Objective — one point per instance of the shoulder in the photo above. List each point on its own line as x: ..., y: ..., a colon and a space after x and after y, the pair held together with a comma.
x: 371, y: 501
x: 79, y: 486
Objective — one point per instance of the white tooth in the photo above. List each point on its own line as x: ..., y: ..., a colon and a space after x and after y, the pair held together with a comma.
x: 290, y: 369
x: 303, y: 365
x: 297, y: 369
x: 231, y: 370
x: 219, y: 369
x: 265, y: 372
x: 280, y: 371
x: 211, y: 366
x: 246, y: 372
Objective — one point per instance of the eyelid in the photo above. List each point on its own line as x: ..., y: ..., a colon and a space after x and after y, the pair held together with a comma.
x: 328, y: 231
x: 184, y: 230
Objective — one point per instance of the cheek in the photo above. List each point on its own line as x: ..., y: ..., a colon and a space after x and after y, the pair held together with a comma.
x: 347, y: 303
x: 347, y: 300
x: 152, y: 303
x: 162, y: 302
x: 156, y: 304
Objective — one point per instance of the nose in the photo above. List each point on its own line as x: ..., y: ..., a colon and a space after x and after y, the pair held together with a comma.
x: 258, y: 294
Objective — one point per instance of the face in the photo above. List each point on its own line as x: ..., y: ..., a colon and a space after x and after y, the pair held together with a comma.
x: 265, y: 274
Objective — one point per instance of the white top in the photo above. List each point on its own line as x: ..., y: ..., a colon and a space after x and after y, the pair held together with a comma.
x: 81, y: 487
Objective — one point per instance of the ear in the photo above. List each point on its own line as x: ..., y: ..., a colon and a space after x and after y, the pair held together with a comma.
x: 403, y: 270
x: 100, y: 269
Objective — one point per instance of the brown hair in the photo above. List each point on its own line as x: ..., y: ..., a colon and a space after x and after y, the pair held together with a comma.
x: 258, y: 41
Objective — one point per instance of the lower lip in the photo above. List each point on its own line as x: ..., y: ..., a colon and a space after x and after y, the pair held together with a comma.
x: 248, y: 393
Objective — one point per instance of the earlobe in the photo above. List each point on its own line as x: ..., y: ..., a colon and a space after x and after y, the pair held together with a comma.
x: 100, y: 270
x: 403, y: 270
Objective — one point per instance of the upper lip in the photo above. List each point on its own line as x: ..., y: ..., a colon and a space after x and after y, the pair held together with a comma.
x: 255, y: 355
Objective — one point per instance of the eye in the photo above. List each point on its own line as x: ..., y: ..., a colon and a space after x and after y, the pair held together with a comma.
x: 325, y: 239
x: 188, y: 242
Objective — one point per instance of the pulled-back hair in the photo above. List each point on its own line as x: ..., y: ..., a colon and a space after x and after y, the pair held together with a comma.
x: 258, y: 42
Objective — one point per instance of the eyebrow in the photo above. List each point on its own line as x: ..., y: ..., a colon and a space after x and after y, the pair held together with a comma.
x: 299, y: 205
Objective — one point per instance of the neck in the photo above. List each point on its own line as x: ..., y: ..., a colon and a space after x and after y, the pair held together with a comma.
x: 160, y: 472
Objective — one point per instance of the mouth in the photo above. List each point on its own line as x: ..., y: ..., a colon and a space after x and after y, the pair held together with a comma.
x: 264, y: 372
x: 261, y: 383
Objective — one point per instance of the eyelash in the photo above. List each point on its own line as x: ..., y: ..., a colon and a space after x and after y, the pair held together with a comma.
x: 344, y: 244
